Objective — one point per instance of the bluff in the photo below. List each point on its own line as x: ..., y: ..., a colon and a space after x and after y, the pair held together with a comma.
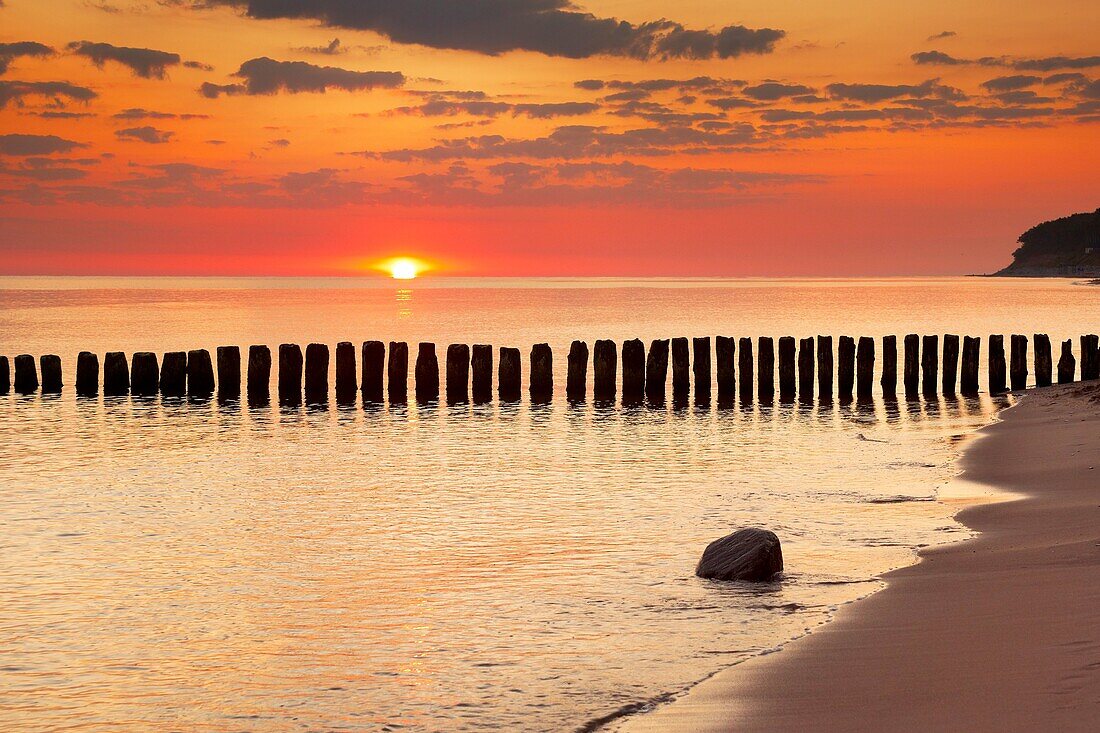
x: 1066, y: 247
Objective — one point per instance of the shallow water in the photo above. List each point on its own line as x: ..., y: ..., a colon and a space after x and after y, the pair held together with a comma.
x: 213, y: 567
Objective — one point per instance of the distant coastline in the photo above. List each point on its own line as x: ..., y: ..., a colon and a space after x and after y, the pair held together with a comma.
x: 1065, y: 247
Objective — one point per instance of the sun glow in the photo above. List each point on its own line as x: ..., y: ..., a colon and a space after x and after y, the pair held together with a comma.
x: 403, y: 268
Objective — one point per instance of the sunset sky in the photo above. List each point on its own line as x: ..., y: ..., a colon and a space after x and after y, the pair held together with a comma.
x: 540, y: 137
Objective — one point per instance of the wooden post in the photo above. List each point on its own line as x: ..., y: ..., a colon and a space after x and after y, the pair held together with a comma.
x: 116, y: 374
x: 865, y: 368
x: 1090, y: 358
x: 5, y: 374
x: 604, y: 370
x: 950, y: 363
x: 259, y: 375
x: 725, y: 356
x: 229, y: 373
x: 997, y: 380
x: 290, y: 374
x: 825, y: 367
x: 765, y: 368
x: 911, y: 368
x: 87, y: 374
x: 681, y: 375
x: 633, y: 372
x: 200, y: 374
x: 889, y: 378
x: 971, y: 358
x: 656, y: 371
x: 1018, y: 362
x: 1067, y: 365
x: 347, y: 386
x: 374, y: 371
x: 397, y: 373
x: 426, y: 373
x: 786, y: 369
x: 144, y: 374
x: 508, y: 375
x: 700, y: 366
x: 806, y: 373
x: 481, y: 363
x: 542, y: 374
x: 458, y: 374
x: 52, y: 382
x: 173, y: 374
x: 845, y: 368
x: 317, y: 358
x: 930, y: 362
x: 576, y: 381
x: 1044, y: 361
x: 744, y: 369
x: 26, y: 374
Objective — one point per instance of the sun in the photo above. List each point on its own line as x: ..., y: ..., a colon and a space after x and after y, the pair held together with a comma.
x: 403, y: 268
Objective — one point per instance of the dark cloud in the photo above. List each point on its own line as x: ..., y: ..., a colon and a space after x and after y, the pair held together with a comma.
x: 19, y: 144
x: 55, y: 91
x: 146, y: 134
x: 728, y: 103
x: 1066, y: 78
x: 1049, y: 63
x: 1010, y: 83
x: 144, y: 62
x: 54, y: 115
x: 443, y: 107
x: 579, y: 141
x: 198, y: 65
x: 770, y: 91
x: 267, y: 76
x: 332, y: 48
x: 551, y: 27
x: 49, y: 169
x: 11, y: 51
x: 872, y: 93
x: 942, y: 35
x: 136, y: 113
x: 1022, y: 97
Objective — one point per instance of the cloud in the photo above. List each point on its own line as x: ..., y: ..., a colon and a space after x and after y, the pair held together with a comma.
x: 579, y: 141
x: 267, y: 76
x: 333, y: 48
x: 17, y: 91
x: 443, y: 107
x: 19, y: 144
x: 770, y: 91
x: 12, y: 51
x: 1010, y: 83
x: 872, y: 93
x: 550, y: 27
x: 942, y: 35
x: 146, y: 134
x: 137, y: 113
x: 144, y: 62
x: 1049, y: 63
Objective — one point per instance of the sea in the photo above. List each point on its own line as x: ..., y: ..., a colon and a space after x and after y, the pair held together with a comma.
x: 196, y: 566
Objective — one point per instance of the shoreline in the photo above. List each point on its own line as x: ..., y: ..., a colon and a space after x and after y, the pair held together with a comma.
x: 1000, y: 631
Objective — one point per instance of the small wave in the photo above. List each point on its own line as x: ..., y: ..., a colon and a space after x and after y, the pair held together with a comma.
x: 622, y: 712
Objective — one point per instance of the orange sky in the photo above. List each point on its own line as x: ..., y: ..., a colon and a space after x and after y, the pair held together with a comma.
x: 148, y: 137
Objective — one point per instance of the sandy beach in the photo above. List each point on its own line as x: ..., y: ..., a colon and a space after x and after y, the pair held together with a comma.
x: 997, y: 633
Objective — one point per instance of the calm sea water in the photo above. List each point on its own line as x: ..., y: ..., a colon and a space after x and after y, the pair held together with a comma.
x: 211, y: 567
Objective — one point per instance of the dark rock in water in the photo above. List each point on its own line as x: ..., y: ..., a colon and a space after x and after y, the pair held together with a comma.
x: 87, y: 374
x: 51, y: 373
x: 26, y: 374
x: 747, y: 554
x: 173, y: 374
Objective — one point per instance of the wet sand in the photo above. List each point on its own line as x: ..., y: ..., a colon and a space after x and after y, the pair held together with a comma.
x: 997, y: 633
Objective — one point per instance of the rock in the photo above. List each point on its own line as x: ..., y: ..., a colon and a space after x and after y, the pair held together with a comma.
x: 747, y: 554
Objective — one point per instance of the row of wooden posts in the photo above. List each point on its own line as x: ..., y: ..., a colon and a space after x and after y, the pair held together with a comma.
x: 805, y: 366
